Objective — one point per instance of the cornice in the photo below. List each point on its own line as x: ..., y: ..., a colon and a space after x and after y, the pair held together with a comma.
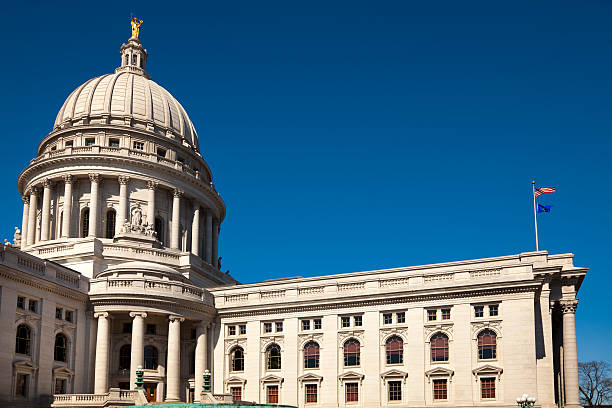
x: 44, y: 285
x: 385, y: 299
x: 29, y: 173
x: 108, y: 302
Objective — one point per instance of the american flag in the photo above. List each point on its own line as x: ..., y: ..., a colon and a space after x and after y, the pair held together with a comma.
x: 542, y: 190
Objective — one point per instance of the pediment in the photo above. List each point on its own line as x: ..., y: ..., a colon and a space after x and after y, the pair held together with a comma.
x: 394, y: 373
x: 351, y: 375
x: 310, y: 377
x: 25, y: 364
x: 272, y: 378
x: 487, y: 369
x: 439, y: 372
x: 63, y: 371
x: 235, y: 380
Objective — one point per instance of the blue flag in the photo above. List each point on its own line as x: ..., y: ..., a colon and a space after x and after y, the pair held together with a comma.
x: 544, y: 208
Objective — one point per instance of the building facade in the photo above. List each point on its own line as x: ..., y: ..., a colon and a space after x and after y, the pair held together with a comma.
x: 116, y: 267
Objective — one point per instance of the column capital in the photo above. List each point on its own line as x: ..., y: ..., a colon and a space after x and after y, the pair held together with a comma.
x: 138, y: 314
x: 94, y: 177
x: 152, y: 185
x: 68, y: 178
x: 178, y: 193
x: 105, y: 315
x: 123, y: 180
x: 568, y: 305
x: 35, y: 191
x: 25, y: 198
x: 174, y: 318
x: 47, y: 183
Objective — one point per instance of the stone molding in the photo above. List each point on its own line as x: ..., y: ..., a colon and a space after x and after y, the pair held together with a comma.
x: 495, y: 325
x: 68, y: 178
x: 231, y: 343
x: 152, y: 185
x: 94, y: 177
x: 123, y: 180
x: 264, y: 342
x: 178, y: 193
x: 48, y: 287
x: 430, y: 330
x: 305, y: 338
x: 47, y: 183
x: 402, y: 332
x: 343, y: 336
x: 568, y: 306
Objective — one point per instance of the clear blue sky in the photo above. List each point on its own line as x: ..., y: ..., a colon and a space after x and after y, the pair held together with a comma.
x: 347, y: 136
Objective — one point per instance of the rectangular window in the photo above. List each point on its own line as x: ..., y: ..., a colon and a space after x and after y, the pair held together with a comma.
x: 138, y: 145
x: 346, y: 321
x: 33, y: 305
x: 69, y: 143
x: 90, y: 141
x: 236, y: 393
x: 151, y: 329
x: 231, y: 330
x: 318, y: 324
x: 279, y: 326
x: 267, y: 327
x: 358, y: 321
x: 127, y: 328
x: 445, y: 314
x: 242, y: 328
x: 53, y: 148
x: 59, y: 313
x: 21, y: 387
x: 161, y: 152
x: 352, y: 392
x: 311, y: 393
x: 431, y: 315
x: 493, y: 310
x: 305, y: 324
x: 401, y: 317
x: 439, y: 390
x: 487, y: 388
x: 395, y: 390
x: 20, y: 302
x: 60, y: 386
x: 272, y: 391
x: 68, y: 316
x: 113, y: 142
x: 478, y: 311
x: 387, y: 318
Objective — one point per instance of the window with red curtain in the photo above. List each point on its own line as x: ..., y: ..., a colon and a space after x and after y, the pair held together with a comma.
x: 272, y: 394
x: 236, y: 393
x: 311, y: 355
x: 352, y: 392
x: 487, y: 388
x: 311, y: 393
x: 395, y: 350
x: 439, y: 347
x: 351, y: 353
x: 487, y: 345
x: 439, y: 390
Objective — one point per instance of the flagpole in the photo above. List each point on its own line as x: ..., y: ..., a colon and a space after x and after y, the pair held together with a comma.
x: 535, y: 217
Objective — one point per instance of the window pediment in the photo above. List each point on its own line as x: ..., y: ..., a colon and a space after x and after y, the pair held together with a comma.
x: 235, y: 380
x: 272, y: 379
x: 25, y: 365
x: 487, y: 369
x: 62, y: 371
x: 310, y: 377
x: 394, y: 374
x: 439, y: 372
x: 351, y: 375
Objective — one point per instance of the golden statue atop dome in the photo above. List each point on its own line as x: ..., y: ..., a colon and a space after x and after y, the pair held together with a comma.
x: 135, y: 25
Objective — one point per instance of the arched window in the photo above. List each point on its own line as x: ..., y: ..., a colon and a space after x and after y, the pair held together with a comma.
x: 61, y: 348
x: 127, y: 58
x: 111, y: 218
x: 273, y: 356
x: 150, y: 358
x: 352, y: 353
x: 134, y: 58
x: 23, y: 339
x: 85, y: 223
x: 125, y: 356
x: 311, y: 355
x: 439, y: 347
x: 237, y: 359
x: 159, y: 229
x: 395, y: 350
x: 487, y: 345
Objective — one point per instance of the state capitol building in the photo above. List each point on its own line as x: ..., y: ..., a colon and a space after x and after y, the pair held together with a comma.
x: 116, y: 267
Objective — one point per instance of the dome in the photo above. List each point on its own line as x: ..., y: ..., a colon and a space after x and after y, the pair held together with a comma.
x: 128, y: 97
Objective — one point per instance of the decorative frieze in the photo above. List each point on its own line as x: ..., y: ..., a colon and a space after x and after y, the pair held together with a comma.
x: 385, y: 283
x: 310, y: 291
x: 275, y: 294
x: 495, y: 325
x: 438, y: 278
x: 430, y: 329
x: 350, y: 287
x: 385, y: 333
x: 485, y: 273
x: 243, y: 297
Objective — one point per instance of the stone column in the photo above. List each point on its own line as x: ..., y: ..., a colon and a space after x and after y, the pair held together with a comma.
x: 151, y: 187
x: 102, y: 348
x: 215, y: 244
x: 93, y: 204
x: 570, y: 353
x: 201, y: 357
x: 176, y: 220
x: 137, y: 355
x: 32, y: 215
x: 46, y: 211
x: 195, y: 230
x: 173, y: 371
x: 122, y: 213
x: 67, y: 206
x: 24, y: 219
x: 209, y: 233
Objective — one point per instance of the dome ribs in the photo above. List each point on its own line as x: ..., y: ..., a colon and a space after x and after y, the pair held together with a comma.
x: 108, y: 95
